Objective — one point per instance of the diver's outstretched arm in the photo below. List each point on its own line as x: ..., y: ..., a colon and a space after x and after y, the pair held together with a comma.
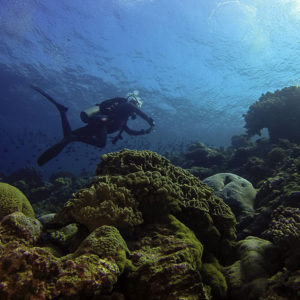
x: 61, y: 108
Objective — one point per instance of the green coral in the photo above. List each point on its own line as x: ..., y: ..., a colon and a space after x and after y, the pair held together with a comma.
x: 104, y: 203
x: 195, y: 251
x: 133, y: 186
x: 106, y: 242
x: 167, y: 263
x: 12, y: 200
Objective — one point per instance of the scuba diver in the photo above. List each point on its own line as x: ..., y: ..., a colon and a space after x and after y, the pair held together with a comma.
x: 105, y: 118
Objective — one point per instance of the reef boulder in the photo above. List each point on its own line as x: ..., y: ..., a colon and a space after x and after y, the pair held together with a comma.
x: 248, y: 276
x: 236, y: 192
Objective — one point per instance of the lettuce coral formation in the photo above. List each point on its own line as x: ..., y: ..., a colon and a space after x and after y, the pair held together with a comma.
x: 134, y: 186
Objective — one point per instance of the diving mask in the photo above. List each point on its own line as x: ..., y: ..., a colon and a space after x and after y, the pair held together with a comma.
x: 135, y: 98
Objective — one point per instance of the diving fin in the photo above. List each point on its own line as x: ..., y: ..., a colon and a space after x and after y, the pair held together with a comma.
x: 60, y: 107
x: 51, y: 152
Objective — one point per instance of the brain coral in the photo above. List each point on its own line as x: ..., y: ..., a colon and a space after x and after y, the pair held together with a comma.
x: 279, y: 112
x: 137, y: 186
x: 12, y: 200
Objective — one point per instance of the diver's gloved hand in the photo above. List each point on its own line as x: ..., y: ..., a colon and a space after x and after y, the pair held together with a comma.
x: 146, y: 131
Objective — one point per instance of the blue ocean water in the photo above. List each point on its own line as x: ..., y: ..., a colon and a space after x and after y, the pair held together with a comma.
x: 198, y: 65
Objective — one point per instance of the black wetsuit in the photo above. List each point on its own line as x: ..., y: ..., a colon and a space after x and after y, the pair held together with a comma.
x: 97, y: 128
x: 95, y: 132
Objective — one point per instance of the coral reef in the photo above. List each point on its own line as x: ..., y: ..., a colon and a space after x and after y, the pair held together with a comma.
x: 273, y: 166
x: 104, y: 203
x: 144, y: 228
x: 241, y: 141
x: 132, y: 220
x: 67, y: 238
x: 279, y: 112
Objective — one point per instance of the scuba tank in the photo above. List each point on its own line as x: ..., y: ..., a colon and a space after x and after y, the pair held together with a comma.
x: 106, y: 108
x: 89, y: 112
